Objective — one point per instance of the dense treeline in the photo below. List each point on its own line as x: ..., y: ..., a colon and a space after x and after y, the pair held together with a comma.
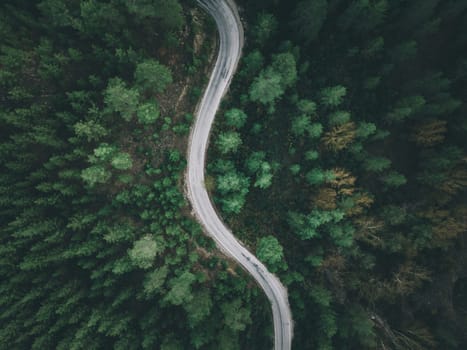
x: 344, y: 165
x: 97, y: 247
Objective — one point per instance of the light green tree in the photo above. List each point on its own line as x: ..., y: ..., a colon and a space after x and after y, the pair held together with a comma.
x: 256, y: 165
x: 199, y: 307
x: 228, y: 142
x: 339, y: 118
x: 144, y: 252
x: 233, y: 203
x: 154, y: 281
x: 232, y: 182
x: 121, y: 99
x: 266, y: 88
x: 270, y: 251
x: 103, y: 152
x: 148, y: 112
x: 236, y: 317
x: 376, y: 164
x: 307, y: 107
x: 264, y: 180
x: 321, y: 295
x: 315, y: 130
x: 95, y: 174
x: 295, y: 169
x: 284, y: 64
x: 272, y: 81
x: 365, y: 129
x: 90, y: 129
x: 311, y: 155
x: 318, y: 176
x: 300, y: 124
x: 235, y: 118
x: 342, y: 234
x: 333, y: 96
x: 254, y: 161
x: 180, y: 291
x: 122, y: 161
x: 152, y: 76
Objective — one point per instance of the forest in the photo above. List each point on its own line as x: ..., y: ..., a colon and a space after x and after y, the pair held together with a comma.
x: 339, y: 157
x: 98, y: 249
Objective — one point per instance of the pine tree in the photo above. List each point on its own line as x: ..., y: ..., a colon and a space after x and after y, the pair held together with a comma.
x: 121, y: 99
x: 270, y: 251
x: 430, y: 133
x: 339, y: 137
x: 235, y: 118
x: 148, y: 112
x: 228, y: 142
x: 333, y: 96
x: 152, y: 77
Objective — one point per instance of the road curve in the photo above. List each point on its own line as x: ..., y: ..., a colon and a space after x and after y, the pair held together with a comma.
x: 230, y: 30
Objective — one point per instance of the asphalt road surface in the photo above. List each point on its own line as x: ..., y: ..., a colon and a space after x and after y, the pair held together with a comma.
x: 230, y: 30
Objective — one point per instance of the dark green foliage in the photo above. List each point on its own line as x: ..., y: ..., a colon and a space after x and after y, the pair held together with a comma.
x: 229, y: 142
x: 235, y: 118
x: 148, y: 113
x: 122, y: 161
x: 151, y: 76
x: 257, y: 165
x: 251, y: 64
x: 180, y: 289
x: 339, y: 118
x: 199, y: 307
x: 97, y: 247
x: 96, y: 174
x: 265, y: 27
x: 272, y: 81
x: 168, y: 14
x: 332, y: 96
x: 271, y: 253
x: 309, y: 30
x: 119, y: 98
x: 362, y: 193
x: 368, y: 198
x: 144, y: 251
x: 266, y: 88
x: 234, y: 186
x: 90, y: 130
x: 236, y: 316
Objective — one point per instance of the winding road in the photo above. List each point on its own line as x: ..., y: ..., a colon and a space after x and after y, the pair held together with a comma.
x: 230, y: 30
